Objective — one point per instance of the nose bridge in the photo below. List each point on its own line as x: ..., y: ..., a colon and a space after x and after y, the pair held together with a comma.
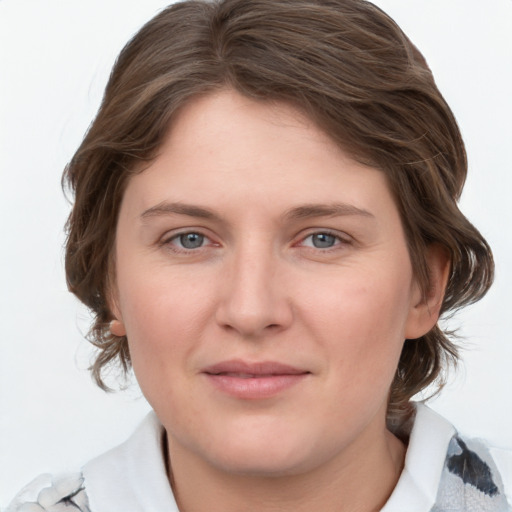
x: 254, y: 299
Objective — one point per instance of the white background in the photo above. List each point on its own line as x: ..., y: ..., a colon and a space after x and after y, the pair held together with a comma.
x: 55, y: 57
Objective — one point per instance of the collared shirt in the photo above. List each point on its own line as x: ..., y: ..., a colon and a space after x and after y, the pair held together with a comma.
x: 442, y: 473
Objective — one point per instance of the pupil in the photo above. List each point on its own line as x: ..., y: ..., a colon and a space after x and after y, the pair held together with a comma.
x: 191, y: 240
x: 323, y: 240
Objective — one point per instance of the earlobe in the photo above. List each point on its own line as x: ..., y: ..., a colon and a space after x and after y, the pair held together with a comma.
x: 117, y: 328
x: 116, y: 325
x: 425, y: 311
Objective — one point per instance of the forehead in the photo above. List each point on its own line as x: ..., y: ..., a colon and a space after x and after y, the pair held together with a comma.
x: 224, y: 147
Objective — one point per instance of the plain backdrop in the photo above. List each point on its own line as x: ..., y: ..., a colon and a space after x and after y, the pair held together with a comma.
x: 55, y: 57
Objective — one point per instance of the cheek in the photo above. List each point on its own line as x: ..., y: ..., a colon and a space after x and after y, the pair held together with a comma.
x: 362, y: 316
x: 363, y: 333
x: 164, y: 316
x: 156, y: 296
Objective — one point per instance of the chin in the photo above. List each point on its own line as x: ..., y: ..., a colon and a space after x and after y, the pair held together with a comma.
x: 273, y: 454
x: 263, y: 463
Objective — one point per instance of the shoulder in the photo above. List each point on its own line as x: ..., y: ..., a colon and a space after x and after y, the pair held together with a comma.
x: 476, y: 475
x: 48, y: 493
x: 503, y: 460
x: 128, y: 478
x: 446, y: 471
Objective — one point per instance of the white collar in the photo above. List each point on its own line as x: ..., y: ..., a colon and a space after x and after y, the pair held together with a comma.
x: 428, y: 443
x: 133, y: 477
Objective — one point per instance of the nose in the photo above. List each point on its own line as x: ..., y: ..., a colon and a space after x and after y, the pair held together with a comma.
x: 255, y: 299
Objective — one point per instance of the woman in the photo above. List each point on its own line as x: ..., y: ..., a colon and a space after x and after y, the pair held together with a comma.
x: 266, y: 229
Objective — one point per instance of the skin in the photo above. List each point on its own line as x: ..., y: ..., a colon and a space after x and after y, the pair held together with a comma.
x: 330, y: 293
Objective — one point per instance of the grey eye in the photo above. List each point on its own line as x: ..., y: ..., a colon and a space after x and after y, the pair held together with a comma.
x: 323, y: 240
x: 191, y: 240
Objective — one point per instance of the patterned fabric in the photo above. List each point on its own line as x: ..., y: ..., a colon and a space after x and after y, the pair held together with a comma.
x: 48, y: 494
x: 470, y: 481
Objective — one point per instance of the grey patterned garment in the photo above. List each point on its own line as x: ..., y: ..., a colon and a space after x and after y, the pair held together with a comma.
x: 470, y: 482
x: 50, y: 494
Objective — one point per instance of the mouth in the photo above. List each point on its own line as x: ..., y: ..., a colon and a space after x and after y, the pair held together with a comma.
x: 253, y: 381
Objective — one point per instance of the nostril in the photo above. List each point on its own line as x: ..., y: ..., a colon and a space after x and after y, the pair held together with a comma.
x: 252, y: 312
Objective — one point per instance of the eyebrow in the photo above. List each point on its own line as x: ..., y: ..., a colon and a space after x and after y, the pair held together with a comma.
x: 325, y: 210
x: 300, y: 212
x: 166, y: 208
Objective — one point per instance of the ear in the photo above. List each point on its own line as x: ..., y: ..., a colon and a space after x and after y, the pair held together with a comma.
x: 117, y: 327
x: 426, y: 306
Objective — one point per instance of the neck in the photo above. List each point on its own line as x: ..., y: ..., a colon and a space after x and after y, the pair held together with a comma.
x: 360, y: 479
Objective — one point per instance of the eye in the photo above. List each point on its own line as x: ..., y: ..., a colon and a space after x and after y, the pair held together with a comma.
x: 322, y: 240
x: 191, y: 240
x: 188, y: 241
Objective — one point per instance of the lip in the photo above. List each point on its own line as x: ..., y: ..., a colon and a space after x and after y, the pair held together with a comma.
x: 253, y: 380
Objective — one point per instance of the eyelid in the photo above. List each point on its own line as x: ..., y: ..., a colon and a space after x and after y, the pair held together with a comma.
x: 341, y: 237
x: 167, y: 239
x: 170, y: 236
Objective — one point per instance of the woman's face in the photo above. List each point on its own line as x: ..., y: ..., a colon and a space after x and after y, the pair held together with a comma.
x: 265, y: 287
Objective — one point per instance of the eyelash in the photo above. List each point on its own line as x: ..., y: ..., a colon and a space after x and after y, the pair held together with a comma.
x: 339, y: 241
x: 168, y: 241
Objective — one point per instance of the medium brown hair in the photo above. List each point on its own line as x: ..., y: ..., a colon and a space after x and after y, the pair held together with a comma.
x: 347, y: 66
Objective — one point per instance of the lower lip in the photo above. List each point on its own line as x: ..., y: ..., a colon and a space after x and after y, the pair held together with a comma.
x: 255, y: 388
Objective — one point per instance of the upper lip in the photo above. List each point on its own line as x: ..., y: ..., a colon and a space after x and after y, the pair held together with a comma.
x: 262, y: 368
